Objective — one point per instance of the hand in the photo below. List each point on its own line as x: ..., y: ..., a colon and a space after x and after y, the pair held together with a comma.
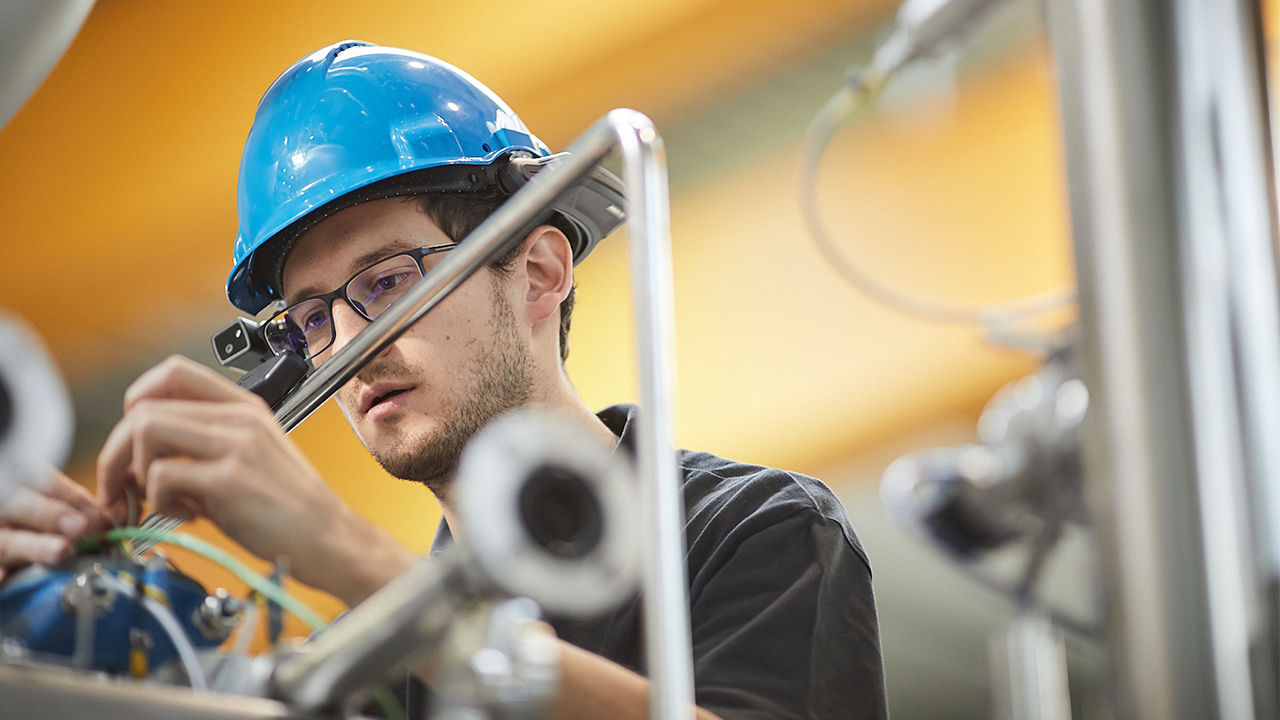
x: 43, y: 525
x: 195, y: 444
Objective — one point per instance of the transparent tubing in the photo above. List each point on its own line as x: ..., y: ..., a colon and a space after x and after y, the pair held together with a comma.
x: 669, y: 655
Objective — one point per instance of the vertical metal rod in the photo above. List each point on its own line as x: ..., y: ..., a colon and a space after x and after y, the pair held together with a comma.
x: 666, y: 606
x: 1235, y: 180
x: 1244, y: 155
x: 1164, y: 122
x: 1114, y: 62
x: 1029, y: 670
x: 1230, y: 317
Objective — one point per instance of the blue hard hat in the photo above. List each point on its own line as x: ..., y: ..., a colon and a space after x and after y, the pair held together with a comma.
x: 354, y: 121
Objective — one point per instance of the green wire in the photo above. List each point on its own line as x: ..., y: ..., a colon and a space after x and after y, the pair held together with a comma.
x: 383, y: 696
x: 387, y: 702
x: 272, y: 591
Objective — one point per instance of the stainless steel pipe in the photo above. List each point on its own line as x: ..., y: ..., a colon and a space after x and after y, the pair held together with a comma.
x: 406, y: 618
x: 1029, y: 670
x: 1164, y: 123
x: 666, y: 608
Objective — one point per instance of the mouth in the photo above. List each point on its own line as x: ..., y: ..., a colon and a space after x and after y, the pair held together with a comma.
x: 377, y: 395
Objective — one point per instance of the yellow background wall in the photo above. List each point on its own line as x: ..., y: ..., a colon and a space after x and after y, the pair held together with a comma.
x: 119, y: 190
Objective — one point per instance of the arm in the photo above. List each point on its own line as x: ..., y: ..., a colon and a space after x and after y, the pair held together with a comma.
x: 198, y: 445
x: 784, y: 621
x: 593, y: 688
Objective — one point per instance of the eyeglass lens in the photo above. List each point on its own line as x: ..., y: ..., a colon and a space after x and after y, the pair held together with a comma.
x: 307, y: 327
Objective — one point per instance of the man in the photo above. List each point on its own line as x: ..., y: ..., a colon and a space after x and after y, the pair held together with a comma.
x: 364, y: 167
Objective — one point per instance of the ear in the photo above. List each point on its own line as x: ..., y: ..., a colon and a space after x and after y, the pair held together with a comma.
x: 549, y: 269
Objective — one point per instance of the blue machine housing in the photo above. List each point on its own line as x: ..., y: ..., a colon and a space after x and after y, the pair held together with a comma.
x: 32, y: 610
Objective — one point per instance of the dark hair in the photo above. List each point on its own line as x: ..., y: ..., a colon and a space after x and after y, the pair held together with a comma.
x: 458, y: 214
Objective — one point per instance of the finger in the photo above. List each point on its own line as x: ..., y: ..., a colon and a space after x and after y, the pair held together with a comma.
x: 170, y: 432
x: 156, y: 428
x: 178, y: 488
x: 118, y: 512
x: 31, y: 510
x: 77, y: 496
x: 18, y: 547
x: 182, y: 378
x: 114, y: 462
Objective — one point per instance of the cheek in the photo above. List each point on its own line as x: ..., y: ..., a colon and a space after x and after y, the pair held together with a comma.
x: 347, y: 400
x: 467, y: 307
x: 452, y: 323
x: 345, y: 407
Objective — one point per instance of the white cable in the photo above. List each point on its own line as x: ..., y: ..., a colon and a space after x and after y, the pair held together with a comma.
x: 169, y: 623
x: 248, y: 625
x: 862, y: 87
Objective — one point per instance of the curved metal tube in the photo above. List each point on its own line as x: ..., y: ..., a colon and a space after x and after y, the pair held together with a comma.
x: 667, y: 635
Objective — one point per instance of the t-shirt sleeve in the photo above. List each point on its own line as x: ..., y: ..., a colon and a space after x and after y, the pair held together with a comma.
x: 785, y: 623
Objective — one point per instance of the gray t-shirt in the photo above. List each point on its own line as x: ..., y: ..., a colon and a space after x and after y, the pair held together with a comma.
x: 781, y: 608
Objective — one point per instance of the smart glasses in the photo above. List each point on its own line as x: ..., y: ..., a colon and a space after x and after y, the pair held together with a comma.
x: 306, y: 327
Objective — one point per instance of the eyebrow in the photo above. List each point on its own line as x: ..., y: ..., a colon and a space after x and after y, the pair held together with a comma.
x: 359, y: 263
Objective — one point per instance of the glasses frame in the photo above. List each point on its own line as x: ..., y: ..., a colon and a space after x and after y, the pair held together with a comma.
x: 418, y: 254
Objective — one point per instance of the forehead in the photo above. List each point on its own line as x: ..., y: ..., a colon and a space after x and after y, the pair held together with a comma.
x: 329, y: 253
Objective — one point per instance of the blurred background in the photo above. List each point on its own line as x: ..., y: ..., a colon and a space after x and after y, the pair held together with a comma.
x: 119, y: 188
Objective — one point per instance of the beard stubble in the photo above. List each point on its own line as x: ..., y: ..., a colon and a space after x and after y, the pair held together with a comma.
x: 502, y: 381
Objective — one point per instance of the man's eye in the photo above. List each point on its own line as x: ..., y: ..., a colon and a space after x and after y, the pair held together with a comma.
x: 389, y: 281
x: 314, y: 320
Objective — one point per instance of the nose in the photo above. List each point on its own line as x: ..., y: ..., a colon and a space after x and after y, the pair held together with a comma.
x: 346, y: 324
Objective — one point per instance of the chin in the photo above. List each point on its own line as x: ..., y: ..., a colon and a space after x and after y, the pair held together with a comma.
x: 378, y: 435
x: 392, y: 434
x: 427, y: 458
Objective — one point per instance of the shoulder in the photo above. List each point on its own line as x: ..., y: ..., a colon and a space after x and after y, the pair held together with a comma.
x: 713, y: 482
x: 728, y: 501
x: 730, y: 504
